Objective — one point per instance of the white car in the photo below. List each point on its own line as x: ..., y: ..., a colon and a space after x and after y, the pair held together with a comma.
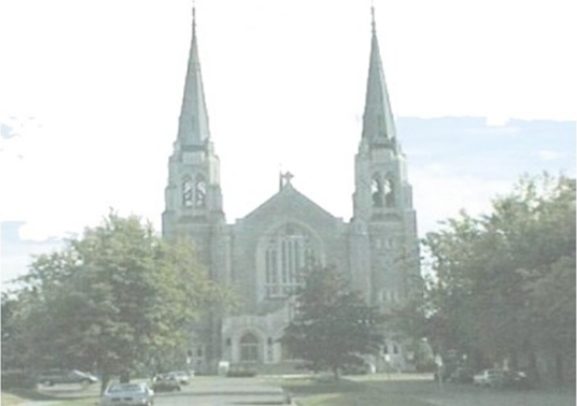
x: 127, y: 394
x: 182, y: 377
x: 490, y: 377
x: 57, y: 376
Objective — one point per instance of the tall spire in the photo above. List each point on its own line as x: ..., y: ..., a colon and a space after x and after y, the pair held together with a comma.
x: 193, y: 129
x: 373, y: 25
x: 378, y: 123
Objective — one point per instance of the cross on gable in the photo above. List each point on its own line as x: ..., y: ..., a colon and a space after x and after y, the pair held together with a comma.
x: 287, y: 176
x: 285, y: 179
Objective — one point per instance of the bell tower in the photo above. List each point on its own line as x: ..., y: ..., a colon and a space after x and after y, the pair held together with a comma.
x: 384, y: 221
x: 193, y: 198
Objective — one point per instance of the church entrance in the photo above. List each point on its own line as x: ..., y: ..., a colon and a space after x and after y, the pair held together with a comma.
x: 249, y: 348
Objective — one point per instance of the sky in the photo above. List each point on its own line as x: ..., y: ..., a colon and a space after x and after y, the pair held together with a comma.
x: 90, y: 93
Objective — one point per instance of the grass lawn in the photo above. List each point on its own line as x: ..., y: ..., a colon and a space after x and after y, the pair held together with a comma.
x: 15, y: 396
x: 313, y: 392
x: 9, y: 399
x: 18, y: 396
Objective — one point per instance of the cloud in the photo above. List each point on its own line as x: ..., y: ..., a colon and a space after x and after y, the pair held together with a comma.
x: 491, y: 129
x: 7, y: 131
x: 18, y: 250
x: 15, y: 125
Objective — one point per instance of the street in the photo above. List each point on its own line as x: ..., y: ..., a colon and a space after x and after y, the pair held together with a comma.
x: 404, y: 388
x: 217, y: 391
x: 209, y: 391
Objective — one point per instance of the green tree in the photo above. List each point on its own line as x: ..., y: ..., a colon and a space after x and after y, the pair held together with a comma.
x: 112, y: 300
x: 12, y: 345
x: 504, y: 283
x: 333, y: 327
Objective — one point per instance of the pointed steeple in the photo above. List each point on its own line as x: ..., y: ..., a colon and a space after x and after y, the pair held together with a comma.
x: 193, y: 128
x: 378, y: 123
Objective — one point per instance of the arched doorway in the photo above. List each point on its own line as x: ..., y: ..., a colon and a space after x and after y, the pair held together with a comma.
x: 249, y: 348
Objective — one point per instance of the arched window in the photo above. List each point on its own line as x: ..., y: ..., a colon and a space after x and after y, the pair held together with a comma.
x: 377, y: 191
x: 249, y: 348
x: 187, y: 192
x: 200, y: 191
x: 389, y: 192
x: 288, y: 253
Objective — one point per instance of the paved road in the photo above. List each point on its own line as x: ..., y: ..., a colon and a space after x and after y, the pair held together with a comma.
x: 216, y: 391
x: 209, y: 391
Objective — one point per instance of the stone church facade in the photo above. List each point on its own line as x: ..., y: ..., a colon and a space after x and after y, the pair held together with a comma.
x: 264, y: 255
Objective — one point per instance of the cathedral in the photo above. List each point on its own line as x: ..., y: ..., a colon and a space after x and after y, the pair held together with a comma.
x: 263, y: 256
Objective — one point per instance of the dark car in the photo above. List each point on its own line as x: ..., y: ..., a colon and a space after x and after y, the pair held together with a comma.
x: 241, y: 371
x: 362, y: 368
x: 56, y: 376
x: 518, y: 380
x: 461, y: 375
x: 17, y: 378
x: 165, y: 383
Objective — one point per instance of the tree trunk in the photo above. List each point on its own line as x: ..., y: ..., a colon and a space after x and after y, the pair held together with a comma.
x: 514, y: 360
x: 105, y: 378
x: 533, y: 367
x: 559, y: 369
x: 125, y: 376
x: 337, y: 373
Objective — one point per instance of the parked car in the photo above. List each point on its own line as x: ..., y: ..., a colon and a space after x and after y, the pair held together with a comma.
x: 56, y: 376
x: 362, y: 368
x: 493, y: 378
x: 127, y: 394
x: 182, y: 377
x: 461, y: 375
x: 241, y: 371
x: 442, y: 374
x: 17, y: 378
x: 165, y: 383
x: 518, y: 380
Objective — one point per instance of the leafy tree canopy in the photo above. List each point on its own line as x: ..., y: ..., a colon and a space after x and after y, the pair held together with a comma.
x: 333, y: 326
x: 110, y: 301
x: 503, y: 284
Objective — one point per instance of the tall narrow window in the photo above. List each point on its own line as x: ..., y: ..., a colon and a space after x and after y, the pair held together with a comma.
x: 200, y: 192
x: 187, y: 193
x: 289, y: 252
x: 377, y: 192
x: 389, y: 192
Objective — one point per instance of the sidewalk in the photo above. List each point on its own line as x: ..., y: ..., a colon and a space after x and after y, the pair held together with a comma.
x: 38, y: 403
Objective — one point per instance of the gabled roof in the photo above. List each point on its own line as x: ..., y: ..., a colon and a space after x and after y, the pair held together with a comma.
x: 291, y: 203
